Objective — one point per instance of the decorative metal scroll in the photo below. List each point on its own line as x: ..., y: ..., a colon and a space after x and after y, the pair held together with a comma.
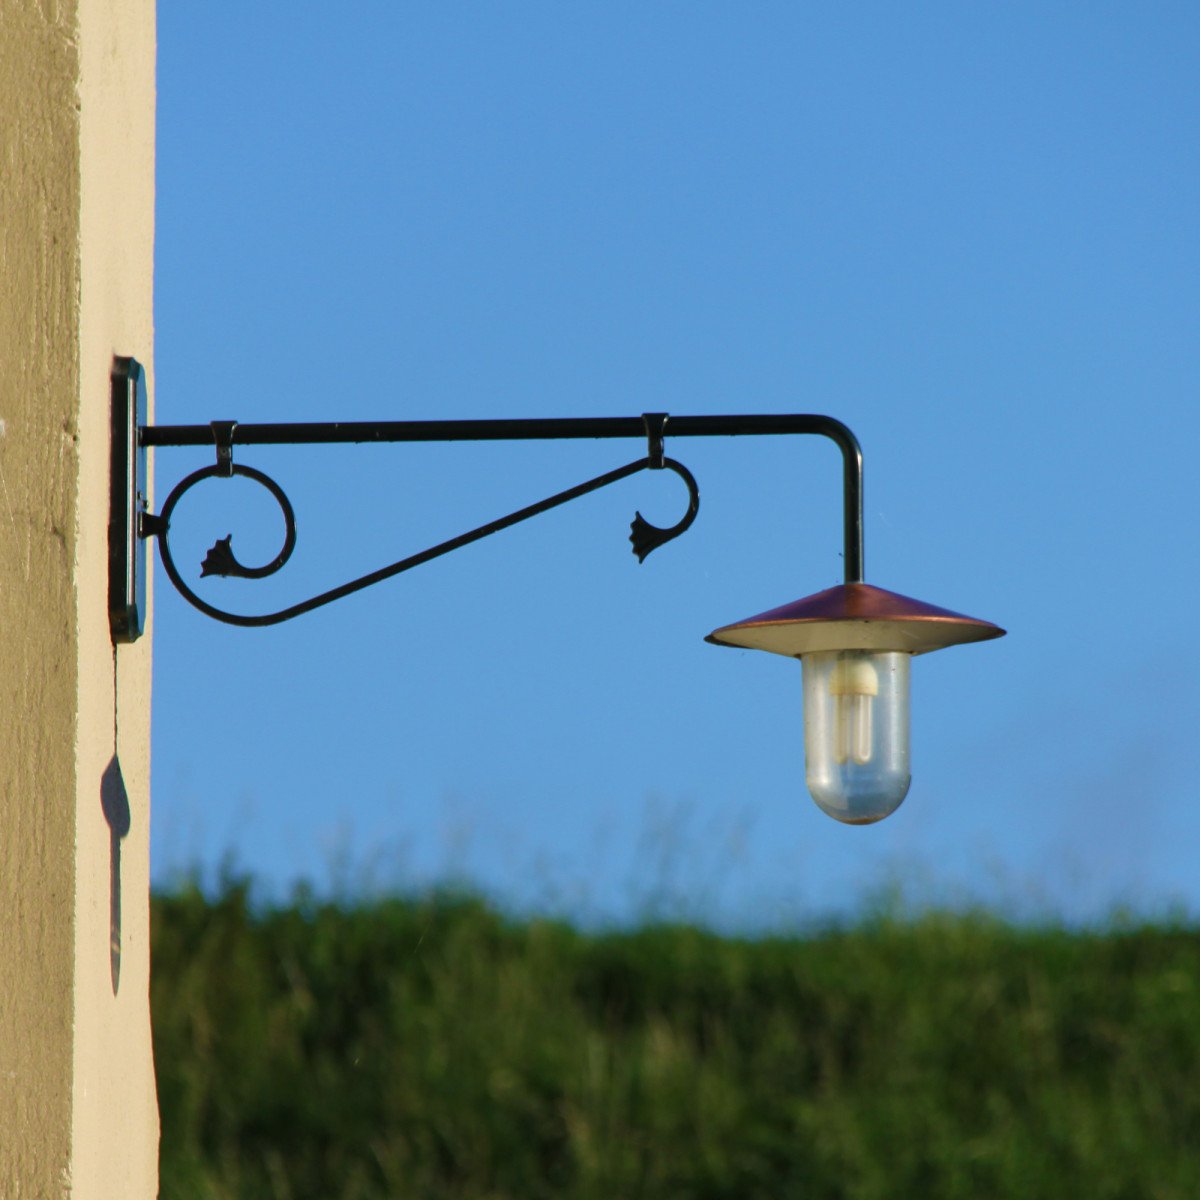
x: 221, y: 560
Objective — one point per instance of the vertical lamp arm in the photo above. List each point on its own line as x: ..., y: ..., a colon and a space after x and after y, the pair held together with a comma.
x: 852, y: 490
x: 852, y: 496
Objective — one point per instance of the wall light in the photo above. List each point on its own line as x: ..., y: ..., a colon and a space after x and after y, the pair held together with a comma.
x: 854, y: 641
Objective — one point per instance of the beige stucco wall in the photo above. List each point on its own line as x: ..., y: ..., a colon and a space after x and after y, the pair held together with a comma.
x: 77, y: 1110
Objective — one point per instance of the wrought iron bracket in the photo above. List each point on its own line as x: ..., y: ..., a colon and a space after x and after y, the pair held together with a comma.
x: 131, y: 524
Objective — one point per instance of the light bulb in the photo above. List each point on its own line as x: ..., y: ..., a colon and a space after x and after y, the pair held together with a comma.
x: 853, y: 683
x: 856, y: 732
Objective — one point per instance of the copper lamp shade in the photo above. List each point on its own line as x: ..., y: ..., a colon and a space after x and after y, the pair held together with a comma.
x: 854, y: 616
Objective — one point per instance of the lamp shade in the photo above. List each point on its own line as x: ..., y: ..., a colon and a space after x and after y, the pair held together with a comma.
x: 854, y: 616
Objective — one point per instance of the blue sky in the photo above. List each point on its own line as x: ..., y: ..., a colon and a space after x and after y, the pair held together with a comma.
x: 967, y: 231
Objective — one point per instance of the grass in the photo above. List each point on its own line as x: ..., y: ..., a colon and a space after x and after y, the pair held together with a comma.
x: 433, y: 1048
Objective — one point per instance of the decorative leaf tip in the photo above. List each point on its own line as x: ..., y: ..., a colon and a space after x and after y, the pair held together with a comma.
x: 646, y: 537
x: 219, y: 560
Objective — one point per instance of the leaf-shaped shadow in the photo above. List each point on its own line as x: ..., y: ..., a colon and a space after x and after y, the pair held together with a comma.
x: 114, y: 803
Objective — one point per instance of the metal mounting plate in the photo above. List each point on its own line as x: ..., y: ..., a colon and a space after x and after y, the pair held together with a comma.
x: 128, y: 499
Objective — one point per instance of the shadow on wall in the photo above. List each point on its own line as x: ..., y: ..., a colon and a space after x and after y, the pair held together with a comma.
x: 114, y: 802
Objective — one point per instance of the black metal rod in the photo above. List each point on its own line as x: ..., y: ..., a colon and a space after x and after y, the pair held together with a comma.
x: 535, y: 429
x: 405, y: 564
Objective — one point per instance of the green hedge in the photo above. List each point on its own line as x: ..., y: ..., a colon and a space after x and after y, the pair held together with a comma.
x: 433, y: 1049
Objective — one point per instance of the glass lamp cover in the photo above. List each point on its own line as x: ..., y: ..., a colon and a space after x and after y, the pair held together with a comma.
x: 856, y: 732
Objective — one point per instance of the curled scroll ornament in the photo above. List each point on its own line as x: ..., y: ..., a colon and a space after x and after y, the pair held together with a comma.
x: 221, y: 560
